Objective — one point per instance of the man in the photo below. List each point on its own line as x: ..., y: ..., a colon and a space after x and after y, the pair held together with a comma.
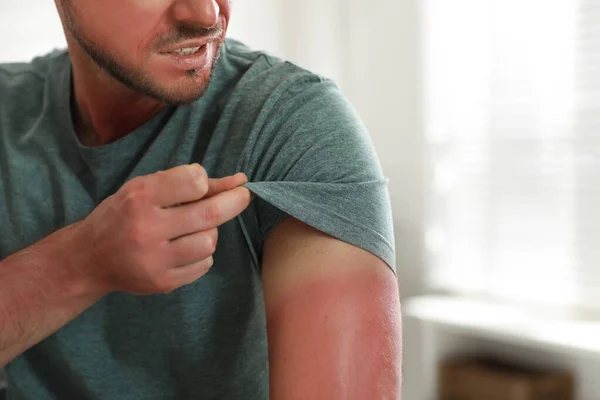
x: 112, y: 284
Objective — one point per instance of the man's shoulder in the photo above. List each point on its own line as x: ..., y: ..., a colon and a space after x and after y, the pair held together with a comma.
x: 266, y: 90
x: 19, y: 78
x: 258, y: 61
x: 261, y: 73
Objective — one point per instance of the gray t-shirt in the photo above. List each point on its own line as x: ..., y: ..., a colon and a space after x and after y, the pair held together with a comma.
x: 306, y: 154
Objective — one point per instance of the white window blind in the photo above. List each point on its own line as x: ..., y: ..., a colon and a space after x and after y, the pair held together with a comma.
x: 513, y: 125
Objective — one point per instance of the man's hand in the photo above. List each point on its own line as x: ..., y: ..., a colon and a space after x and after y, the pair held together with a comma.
x: 158, y: 232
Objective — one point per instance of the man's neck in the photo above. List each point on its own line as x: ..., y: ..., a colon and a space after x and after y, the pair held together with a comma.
x: 105, y: 110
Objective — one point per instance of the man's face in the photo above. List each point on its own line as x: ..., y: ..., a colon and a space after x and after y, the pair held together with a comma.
x: 165, y: 49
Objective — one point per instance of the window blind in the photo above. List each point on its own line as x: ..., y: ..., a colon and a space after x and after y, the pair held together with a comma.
x: 513, y: 125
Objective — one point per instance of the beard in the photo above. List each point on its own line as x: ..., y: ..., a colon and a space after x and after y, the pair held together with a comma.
x: 140, y: 79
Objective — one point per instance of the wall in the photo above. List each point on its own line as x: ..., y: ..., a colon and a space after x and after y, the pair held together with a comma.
x: 28, y: 28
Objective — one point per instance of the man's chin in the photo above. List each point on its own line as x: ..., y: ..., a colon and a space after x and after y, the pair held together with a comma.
x: 184, y: 88
x: 180, y: 100
x: 177, y: 99
x: 184, y: 91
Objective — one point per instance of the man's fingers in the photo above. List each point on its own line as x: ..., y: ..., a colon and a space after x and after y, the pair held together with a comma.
x: 208, y: 213
x: 216, y: 186
x: 191, y: 248
x: 178, y: 185
x: 188, y: 274
x: 188, y: 183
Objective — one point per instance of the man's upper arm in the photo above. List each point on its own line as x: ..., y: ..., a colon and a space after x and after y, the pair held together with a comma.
x: 333, y: 316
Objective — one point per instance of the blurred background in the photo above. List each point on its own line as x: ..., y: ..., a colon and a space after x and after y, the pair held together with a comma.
x: 485, y: 115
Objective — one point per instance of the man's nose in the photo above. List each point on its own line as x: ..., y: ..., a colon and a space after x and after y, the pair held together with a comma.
x: 204, y: 13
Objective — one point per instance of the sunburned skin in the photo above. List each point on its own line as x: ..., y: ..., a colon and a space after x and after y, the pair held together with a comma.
x: 334, y: 346
x: 335, y: 332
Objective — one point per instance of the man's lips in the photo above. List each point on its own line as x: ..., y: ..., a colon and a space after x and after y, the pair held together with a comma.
x: 186, y: 46
x: 190, y: 58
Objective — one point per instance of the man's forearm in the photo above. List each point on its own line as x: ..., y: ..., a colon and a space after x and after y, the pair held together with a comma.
x: 39, y: 294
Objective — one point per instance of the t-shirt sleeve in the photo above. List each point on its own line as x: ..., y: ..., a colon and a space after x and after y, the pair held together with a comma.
x: 314, y: 160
